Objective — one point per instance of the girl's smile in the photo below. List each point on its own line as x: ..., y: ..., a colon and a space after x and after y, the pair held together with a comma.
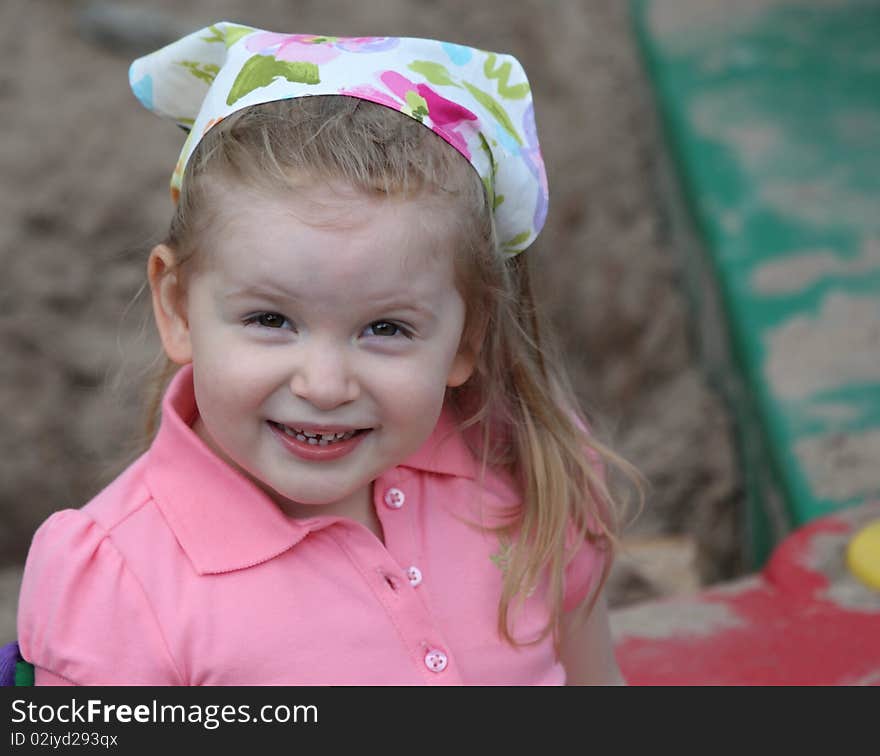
x: 319, y: 446
x: 324, y: 327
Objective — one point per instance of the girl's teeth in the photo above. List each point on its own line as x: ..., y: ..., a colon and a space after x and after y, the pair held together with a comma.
x: 320, y: 439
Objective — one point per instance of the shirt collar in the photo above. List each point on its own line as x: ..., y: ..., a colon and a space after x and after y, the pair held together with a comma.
x: 221, y: 519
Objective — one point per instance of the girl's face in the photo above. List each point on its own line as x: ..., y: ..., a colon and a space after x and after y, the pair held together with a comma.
x: 331, y: 312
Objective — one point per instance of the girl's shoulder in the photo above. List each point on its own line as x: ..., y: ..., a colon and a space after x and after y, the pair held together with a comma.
x: 80, y: 606
x: 80, y: 599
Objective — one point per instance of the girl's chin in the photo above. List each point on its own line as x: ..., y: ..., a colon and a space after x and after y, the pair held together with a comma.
x: 302, y: 505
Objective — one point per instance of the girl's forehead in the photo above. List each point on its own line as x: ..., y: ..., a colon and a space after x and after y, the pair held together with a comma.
x: 320, y: 239
x: 323, y: 203
x: 332, y: 223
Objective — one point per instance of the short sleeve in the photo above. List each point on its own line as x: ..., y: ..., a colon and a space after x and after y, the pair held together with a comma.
x: 83, y: 617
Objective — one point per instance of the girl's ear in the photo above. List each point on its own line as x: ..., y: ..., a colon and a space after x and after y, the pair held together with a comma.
x: 169, y: 304
x: 462, y: 367
x: 468, y: 352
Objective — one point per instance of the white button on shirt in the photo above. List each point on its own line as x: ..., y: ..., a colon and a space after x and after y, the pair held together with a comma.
x: 414, y: 575
x: 394, y: 498
x: 436, y: 660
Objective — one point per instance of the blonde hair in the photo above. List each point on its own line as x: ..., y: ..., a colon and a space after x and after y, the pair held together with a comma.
x: 518, y: 404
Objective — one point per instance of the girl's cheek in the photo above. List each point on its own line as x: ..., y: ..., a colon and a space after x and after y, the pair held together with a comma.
x: 413, y: 396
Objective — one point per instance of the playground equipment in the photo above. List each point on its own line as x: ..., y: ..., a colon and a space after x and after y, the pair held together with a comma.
x: 771, y: 114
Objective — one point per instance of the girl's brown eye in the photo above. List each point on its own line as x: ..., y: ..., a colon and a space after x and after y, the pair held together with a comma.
x: 270, y: 320
x: 384, y: 328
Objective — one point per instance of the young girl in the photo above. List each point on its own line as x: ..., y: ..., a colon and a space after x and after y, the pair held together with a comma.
x: 368, y: 469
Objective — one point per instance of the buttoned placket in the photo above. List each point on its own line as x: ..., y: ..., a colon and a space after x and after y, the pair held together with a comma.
x: 395, y: 577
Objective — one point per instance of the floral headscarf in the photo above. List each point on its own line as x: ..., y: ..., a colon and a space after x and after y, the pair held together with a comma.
x: 478, y: 101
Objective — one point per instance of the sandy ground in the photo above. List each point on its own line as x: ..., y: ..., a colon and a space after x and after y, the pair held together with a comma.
x: 83, y: 195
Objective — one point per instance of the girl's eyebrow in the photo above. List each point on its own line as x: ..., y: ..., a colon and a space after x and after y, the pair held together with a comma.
x: 267, y: 289
x: 279, y: 293
x: 412, y: 307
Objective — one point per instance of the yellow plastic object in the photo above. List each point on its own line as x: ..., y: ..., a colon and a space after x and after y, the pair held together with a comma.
x: 863, y: 555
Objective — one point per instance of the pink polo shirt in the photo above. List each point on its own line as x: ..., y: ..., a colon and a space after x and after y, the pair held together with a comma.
x: 182, y: 572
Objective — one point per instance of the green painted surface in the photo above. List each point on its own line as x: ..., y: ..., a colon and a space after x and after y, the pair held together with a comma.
x: 771, y: 113
x: 24, y: 674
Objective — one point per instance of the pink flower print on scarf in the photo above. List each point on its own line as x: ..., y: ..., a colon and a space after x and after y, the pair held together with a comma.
x: 366, y: 44
x: 312, y: 48
x: 420, y: 101
x: 367, y: 92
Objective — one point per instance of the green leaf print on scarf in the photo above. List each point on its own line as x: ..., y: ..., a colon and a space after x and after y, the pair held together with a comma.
x: 511, y: 244
x: 491, y: 104
x: 204, y: 71
x: 262, y: 70
x: 489, y: 180
x: 435, y: 73
x: 416, y: 106
x: 230, y: 35
x: 502, y: 73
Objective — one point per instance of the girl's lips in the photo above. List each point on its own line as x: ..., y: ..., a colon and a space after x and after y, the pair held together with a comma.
x: 316, y: 452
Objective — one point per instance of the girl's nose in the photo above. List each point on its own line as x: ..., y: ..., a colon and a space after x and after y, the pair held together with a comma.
x: 324, y: 380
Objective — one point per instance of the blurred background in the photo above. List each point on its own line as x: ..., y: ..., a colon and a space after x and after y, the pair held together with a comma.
x: 84, y: 194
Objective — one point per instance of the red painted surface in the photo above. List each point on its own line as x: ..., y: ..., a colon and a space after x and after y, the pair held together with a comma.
x: 781, y: 628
